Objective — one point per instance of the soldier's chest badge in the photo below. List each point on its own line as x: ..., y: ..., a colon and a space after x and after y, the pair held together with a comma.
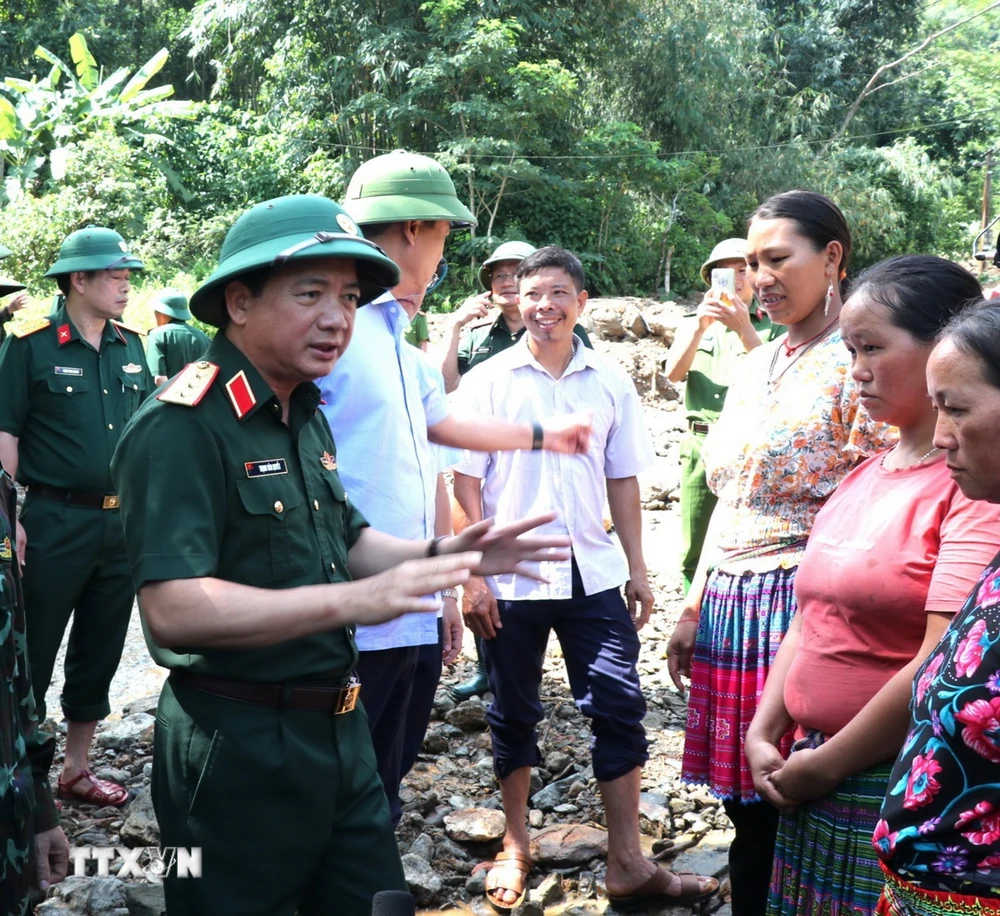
x: 132, y: 368
x: 69, y: 370
x: 328, y: 461
x: 266, y: 468
x: 6, y: 551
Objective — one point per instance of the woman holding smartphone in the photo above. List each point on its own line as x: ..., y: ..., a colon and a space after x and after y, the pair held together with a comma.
x: 786, y: 438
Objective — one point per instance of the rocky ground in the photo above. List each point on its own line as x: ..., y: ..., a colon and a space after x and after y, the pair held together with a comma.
x: 452, y: 820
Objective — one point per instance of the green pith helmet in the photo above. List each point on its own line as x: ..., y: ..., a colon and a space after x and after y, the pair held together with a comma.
x: 508, y: 251
x: 5, y: 252
x: 93, y: 248
x: 400, y: 186
x: 8, y: 286
x: 286, y: 229
x: 726, y: 250
x: 172, y: 302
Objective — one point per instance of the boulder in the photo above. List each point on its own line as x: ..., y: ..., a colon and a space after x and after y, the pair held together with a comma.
x: 475, y: 825
x: 568, y: 844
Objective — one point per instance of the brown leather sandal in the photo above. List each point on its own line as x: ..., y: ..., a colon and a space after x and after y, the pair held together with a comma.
x: 509, y: 873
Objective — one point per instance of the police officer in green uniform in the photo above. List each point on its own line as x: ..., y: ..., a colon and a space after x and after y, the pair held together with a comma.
x: 70, y: 382
x: 488, y: 335
x: 8, y: 286
x: 173, y: 343
x: 243, y: 545
x: 706, y: 355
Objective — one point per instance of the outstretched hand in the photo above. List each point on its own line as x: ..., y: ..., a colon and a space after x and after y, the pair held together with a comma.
x: 506, y: 549
x: 569, y: 434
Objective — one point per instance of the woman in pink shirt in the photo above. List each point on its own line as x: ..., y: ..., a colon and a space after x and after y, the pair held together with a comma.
x: 891, y: 557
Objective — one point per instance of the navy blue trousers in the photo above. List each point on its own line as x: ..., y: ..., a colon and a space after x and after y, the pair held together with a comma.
x: 600, y: 647
x: 397, y: 690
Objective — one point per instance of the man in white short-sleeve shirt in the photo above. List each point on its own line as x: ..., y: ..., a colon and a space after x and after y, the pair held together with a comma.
x: 550, y: 373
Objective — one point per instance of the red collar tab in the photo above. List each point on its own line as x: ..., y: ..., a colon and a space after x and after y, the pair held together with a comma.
x: 64, y: 334
x: 241, y: 396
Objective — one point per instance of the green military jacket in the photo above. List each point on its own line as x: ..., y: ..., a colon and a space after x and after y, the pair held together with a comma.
x: 170, y: 347
x: 716, y: 367
x: 213, y: 483
x: 418, y: 331
x: 486, y: 340
x: 68, y: 403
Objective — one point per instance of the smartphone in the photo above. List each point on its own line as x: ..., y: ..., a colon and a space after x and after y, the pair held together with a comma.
x: 724, y: 280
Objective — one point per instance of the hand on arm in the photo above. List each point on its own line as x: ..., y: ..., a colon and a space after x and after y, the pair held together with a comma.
x: 626, y: 513
x: 771, y: 722
x: 873, y: 736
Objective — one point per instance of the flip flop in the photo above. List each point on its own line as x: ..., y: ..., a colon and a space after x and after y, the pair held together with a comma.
x: 99, y: 791
x: 509, y: 873
x: 656, y: 891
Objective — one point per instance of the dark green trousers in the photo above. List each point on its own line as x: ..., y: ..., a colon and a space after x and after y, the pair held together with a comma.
x: 287, y: 808
x: 697, y: 503
x: 75, y: 564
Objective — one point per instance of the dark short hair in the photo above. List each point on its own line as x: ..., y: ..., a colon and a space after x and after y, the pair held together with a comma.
x: 62, y: 280
x: 920, y: 292
x: 552, y: 256
x: 976, y: 332
x: 818, y: 218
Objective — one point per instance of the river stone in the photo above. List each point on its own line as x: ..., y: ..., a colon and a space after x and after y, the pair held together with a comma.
x: 145, y: 899
x: 140, y: 827
x: 709, y: 857
x: 568, y: 844
x: 424, y: 883
x: 143, y: 704
x: 423, y: 846
x: 548, y: 798
x: 468, y: 716
x: 548, y: 892
x: 126, y: 732
x: 79, y: 896
x: 475, y: 825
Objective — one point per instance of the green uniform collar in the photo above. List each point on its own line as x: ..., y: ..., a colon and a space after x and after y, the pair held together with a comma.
x: 66, y: 331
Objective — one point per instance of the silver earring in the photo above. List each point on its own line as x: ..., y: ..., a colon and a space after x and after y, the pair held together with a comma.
x: 829, y: 299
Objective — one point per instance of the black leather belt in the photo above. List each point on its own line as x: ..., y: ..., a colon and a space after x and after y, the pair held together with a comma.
x: 697, y: 427
x: 80, y: 498
x: 337, y: 700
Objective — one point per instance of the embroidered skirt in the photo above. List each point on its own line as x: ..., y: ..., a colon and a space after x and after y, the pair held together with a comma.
x: 743, y: 619
x: 901, y: 898
x: 824, y: 862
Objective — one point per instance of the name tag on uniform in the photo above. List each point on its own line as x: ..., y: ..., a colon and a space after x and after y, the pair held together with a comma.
x: 132, y: 368
x: 68, y: 370
x: 266, y: 468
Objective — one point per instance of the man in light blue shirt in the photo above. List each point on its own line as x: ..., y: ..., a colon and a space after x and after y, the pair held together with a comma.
x: 384, y: 416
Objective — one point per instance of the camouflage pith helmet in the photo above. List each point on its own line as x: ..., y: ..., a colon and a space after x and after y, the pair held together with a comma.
x: 508, y: 251
x: 173, y: 303
x: 726, y: 250
x: 93, y: 248
x: 400, y: 186
x: 292, y: 228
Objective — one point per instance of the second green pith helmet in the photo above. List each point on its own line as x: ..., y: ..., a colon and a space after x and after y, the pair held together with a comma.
x: 292, y: 228
x: 401, y: 186
x: 173, y: 303
x: 508, y: 251
x: 7, y: 285
x: 93, y: 248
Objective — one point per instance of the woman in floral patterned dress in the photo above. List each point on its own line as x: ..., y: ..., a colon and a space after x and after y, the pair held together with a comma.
x: 791, y: 430
x: 939, y: 834
x: 890, y: 559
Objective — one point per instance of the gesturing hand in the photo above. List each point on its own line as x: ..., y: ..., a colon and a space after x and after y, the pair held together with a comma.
x: 569, y: 434
x: 474, y: 307
x: 505, y: 549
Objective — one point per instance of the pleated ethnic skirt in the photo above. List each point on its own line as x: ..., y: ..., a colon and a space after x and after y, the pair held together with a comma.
x: 824, y: 862
x: 743, y: 619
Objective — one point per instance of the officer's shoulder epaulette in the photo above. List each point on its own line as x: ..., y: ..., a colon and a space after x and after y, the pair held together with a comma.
x: 191, y: 383
x: 125, y: 327
x: 24, y: 328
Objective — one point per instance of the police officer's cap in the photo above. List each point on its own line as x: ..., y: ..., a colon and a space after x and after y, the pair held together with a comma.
x: 93, y: 248
x: 508, y: 251
x: 400, y: 186
x: 726, y: 250
x: 173, y: 303
x: 292, y: 228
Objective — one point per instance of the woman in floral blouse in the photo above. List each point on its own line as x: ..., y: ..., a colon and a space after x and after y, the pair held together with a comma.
x: 792, y: 428
x: 939, y: 834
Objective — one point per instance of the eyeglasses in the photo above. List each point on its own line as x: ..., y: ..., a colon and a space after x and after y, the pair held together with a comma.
x: 439, y: 275
x: 504, y: 276
x: 321, y: 238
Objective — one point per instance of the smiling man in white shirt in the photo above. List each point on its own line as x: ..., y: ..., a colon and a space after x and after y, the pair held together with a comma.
x: 550, y: 373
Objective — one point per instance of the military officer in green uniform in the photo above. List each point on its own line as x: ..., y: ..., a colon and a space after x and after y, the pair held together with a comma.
x: 706, y: 355
x: 243, y: 545
x: 29, y: 823
x: 173, y: 343
x: 70, y: 382
x: 8, y: 286
x: 489, y: 335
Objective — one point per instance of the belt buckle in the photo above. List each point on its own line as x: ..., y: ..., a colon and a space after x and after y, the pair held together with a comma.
x: 110, y: 502
x: 348, y: 699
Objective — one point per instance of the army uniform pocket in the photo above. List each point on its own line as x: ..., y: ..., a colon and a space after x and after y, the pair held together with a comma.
x: 133, y: 390
x: 64, y: 399
x: 274, y: 517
